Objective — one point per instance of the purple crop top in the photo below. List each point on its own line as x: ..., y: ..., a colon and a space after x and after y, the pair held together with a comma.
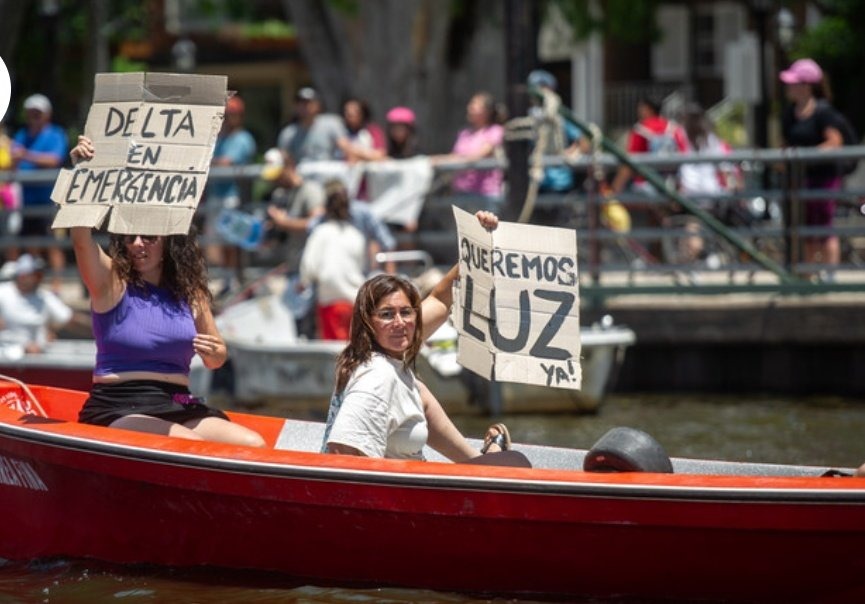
x: 148, y: 330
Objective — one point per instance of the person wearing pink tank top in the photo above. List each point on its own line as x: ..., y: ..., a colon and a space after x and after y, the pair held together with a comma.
x: 481, y: 138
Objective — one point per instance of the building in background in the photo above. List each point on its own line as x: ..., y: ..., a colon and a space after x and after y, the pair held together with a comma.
x: 708, y: 51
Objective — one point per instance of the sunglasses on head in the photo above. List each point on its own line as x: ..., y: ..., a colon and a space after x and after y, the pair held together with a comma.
x: 145, y: 239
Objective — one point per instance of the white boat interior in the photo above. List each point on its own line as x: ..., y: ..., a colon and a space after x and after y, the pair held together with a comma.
x: 302, y: 435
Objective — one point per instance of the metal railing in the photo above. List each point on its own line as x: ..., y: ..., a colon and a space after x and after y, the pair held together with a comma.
x: 747, y: 240
x: 620, y: 99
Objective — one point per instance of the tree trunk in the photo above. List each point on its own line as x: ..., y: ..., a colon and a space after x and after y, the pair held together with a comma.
x: 322, y: 43
x: 12, y: 12
x: 395, y: 52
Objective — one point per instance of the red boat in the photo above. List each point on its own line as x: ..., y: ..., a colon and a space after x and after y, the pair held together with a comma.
x: 708, y: 531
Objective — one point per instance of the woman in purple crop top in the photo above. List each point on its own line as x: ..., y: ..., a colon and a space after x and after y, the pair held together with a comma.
x: 151, y: 313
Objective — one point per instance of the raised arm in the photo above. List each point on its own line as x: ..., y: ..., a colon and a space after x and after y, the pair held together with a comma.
x: 437, y: 305
x: 94, y: 264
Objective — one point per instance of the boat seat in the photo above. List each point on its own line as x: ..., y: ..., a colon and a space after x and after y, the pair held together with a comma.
x: 299, y: 435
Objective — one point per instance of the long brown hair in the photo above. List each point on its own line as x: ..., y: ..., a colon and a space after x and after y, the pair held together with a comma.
x: 362, y: 341
x: 336, y: 205
x: 184, y: 271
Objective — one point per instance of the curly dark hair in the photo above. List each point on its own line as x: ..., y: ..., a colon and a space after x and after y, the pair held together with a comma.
x: 184, y: 270
x: 362, y: 339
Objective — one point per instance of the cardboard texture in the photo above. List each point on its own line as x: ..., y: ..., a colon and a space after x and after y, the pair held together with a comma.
x: 516, y: 305
x: 154, y: 135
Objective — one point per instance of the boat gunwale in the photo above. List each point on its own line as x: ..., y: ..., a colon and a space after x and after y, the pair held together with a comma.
x: 430, y: 474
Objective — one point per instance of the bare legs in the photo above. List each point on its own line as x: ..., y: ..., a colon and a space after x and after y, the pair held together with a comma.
x: 207, y: 428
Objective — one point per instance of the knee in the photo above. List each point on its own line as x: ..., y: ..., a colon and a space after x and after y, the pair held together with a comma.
x: 252, y: 439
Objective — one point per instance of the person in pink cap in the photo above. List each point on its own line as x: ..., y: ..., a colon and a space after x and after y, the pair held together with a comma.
x: 401, y: 133
x: 809, y: 120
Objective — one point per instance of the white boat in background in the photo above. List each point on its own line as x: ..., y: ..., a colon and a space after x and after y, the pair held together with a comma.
x: 62, y: 363
x: 270, y: 364
x: 68, y: 363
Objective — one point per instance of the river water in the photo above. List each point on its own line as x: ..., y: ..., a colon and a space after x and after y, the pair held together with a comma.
x: 825, y: 432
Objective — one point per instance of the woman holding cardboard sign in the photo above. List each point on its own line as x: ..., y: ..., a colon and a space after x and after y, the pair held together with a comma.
x: 151, y: 313
x: 379, y: 408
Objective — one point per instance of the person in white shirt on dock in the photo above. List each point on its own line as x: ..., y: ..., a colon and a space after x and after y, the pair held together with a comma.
x: 334, y: 261
x: 29, y: 313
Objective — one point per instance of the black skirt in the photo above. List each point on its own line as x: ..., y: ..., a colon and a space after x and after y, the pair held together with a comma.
x: 163, y: 400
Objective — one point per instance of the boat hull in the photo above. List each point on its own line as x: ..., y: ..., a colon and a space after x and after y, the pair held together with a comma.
x: 84, y: 491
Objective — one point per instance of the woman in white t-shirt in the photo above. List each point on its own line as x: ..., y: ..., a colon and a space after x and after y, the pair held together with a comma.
x: 379, y: 408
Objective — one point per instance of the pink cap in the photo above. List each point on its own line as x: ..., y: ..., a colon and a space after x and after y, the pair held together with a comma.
x: 803, y: 71
x: 400, y: 115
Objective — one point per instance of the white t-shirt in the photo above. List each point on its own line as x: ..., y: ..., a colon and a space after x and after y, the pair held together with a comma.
x: 27, y: 316
x: 697, y: 178
x: 380, y: 412
x: 334, y: 259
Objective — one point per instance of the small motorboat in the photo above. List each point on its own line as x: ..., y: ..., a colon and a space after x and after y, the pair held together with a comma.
x: 684, y: 530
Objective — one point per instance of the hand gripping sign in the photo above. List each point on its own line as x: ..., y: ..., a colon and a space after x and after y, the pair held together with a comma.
x: 154, y: 135
x: 517, y: 305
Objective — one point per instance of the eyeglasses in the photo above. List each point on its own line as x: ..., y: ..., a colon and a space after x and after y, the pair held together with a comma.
x: 145, y: 239
x: 389, y: 315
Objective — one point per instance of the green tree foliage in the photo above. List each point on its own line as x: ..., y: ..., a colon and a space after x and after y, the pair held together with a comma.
x: 626, y: 20
x: 836, y: 38
x: 835, y: 42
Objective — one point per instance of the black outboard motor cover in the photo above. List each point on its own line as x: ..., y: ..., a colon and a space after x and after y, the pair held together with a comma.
x: 625, y: 449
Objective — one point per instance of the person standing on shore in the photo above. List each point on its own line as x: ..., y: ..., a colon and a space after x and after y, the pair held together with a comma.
x: 334, y: 261
x: 29, y: 313
x: 39, y: 145
x: 809, y: 120
x: 313, y: 135
x: 481, y: 138
x: 235, y: 146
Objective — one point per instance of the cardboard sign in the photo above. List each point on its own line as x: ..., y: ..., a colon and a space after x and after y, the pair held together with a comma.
x: 154, y: 135
x: 517, y: 305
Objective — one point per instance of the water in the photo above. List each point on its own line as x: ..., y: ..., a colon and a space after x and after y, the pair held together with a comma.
x: 825, y: 432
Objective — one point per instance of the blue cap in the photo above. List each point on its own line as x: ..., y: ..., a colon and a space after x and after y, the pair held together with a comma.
x: 542, y: 79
